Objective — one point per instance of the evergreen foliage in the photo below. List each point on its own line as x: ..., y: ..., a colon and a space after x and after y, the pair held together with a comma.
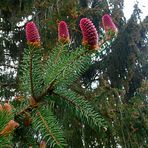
x: 55, y: 77
x: 65, y: 94
x: 45, y: 122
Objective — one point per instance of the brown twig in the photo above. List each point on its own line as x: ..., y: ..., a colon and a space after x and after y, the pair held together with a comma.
x: 23, y: 111
x: 8, y: 85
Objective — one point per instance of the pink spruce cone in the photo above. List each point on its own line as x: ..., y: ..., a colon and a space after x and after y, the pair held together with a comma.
x: 109, y: 26
x: 32, y: 34
x: 90, y: 35
x: 63, y: 33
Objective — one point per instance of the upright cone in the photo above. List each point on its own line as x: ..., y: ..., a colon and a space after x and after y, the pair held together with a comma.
x: 32, y: 34
x: 89, y: 32
x: 109, y: 27
x: 63, y: 32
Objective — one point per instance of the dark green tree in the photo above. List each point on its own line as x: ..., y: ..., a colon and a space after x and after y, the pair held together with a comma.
x: 115, y: 84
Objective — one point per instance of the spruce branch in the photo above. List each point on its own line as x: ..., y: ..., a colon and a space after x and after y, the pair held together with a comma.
x: 59, y: 62
x: 32, y: 81
x: 80, y: 106
x: 26, y: 105
x: 45, y: 121
x: 58, y: 54
x: 47, y: 128
x: 74, y: 64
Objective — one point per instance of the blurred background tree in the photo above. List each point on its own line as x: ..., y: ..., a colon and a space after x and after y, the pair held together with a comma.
x: 116, y: 83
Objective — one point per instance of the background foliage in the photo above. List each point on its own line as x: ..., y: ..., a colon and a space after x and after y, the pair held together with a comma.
x: 116, y: 83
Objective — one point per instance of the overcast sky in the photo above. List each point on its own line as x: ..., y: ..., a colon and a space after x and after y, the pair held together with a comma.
x: 128, y: 9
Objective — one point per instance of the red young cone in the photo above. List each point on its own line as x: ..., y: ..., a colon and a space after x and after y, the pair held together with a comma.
x: 90, y: 35
x: 109, y: 26
x: 63, y: 33
x: 7, y: 107
x: 32, y: 34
